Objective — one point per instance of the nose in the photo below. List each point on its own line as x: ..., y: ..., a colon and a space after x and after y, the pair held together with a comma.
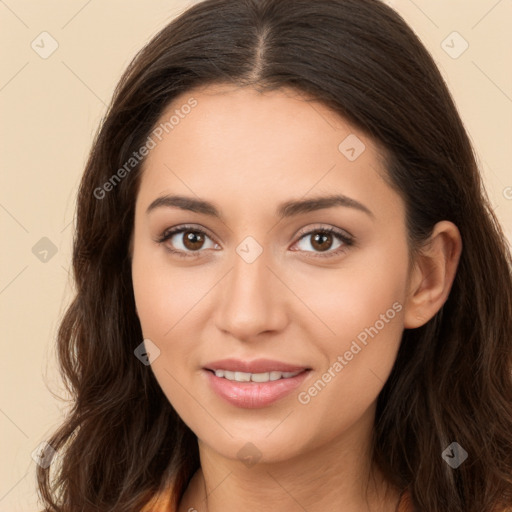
x: 251, y: 300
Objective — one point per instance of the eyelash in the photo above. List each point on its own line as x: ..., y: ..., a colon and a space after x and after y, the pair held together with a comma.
x: 347, y: 240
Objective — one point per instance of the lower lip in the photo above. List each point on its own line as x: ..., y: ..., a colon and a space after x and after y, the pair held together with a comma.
x: 253, y: 395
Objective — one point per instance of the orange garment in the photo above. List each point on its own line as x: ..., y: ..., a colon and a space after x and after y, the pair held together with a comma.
x: 163, y: 504
x: 405, y: 504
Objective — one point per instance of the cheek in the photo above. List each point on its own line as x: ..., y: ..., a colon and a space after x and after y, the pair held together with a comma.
x: 362, y: 306
x: 166, y: 295
x: 352, y: 297
x: 164, y: 299
x: 170, y: 301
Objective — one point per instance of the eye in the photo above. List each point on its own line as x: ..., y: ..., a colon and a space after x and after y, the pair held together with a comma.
x: 321, y: 239
x: 193, y: 240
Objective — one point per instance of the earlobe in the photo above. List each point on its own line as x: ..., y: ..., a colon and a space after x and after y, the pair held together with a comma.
x: 433, y: 274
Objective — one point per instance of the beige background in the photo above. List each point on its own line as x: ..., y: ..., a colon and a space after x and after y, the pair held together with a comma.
x: 49, y: 111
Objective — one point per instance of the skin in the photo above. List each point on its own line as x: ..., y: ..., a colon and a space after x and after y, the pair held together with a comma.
x: 247, y: 152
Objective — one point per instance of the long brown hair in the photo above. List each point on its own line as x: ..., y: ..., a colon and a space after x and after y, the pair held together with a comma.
x: 451, y: 382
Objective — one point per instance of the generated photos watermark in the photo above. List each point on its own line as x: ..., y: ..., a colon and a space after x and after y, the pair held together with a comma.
x: 151, y: 142
x: 305, y: 397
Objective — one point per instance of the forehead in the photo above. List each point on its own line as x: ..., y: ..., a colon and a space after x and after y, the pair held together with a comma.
x: 238, y: 141
x: 224, y: 115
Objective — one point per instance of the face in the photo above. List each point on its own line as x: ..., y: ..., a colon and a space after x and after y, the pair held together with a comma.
x: 254, y: 277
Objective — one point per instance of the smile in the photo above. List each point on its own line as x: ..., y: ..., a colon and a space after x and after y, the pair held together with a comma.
x: 244, y: 390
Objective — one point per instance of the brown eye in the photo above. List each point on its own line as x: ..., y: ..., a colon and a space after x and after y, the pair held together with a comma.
x: 185, y: 241
x: 193, y: 240
x: 322, y: 241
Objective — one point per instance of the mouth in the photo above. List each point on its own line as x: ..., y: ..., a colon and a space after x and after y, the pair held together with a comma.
x: 253, y: 384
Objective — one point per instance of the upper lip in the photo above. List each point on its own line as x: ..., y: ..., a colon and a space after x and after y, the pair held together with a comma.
x: 255, y: 366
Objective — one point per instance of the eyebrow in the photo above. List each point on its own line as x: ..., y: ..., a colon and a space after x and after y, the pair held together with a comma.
x: 286, y: 209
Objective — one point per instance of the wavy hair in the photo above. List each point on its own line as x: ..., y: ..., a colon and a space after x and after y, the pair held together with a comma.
x: 122, y: 441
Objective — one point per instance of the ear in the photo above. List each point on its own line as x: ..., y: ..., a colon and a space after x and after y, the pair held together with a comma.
x: 432, y: 274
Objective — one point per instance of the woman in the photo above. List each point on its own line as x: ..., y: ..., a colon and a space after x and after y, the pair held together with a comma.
x: 292, y: 293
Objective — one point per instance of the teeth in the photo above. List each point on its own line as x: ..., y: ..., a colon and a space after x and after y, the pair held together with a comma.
x: 242, y: 377
x: 254, y: 377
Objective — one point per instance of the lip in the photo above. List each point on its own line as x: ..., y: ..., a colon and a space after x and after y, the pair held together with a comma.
x: 256, y: 366
x: 253, y: 395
